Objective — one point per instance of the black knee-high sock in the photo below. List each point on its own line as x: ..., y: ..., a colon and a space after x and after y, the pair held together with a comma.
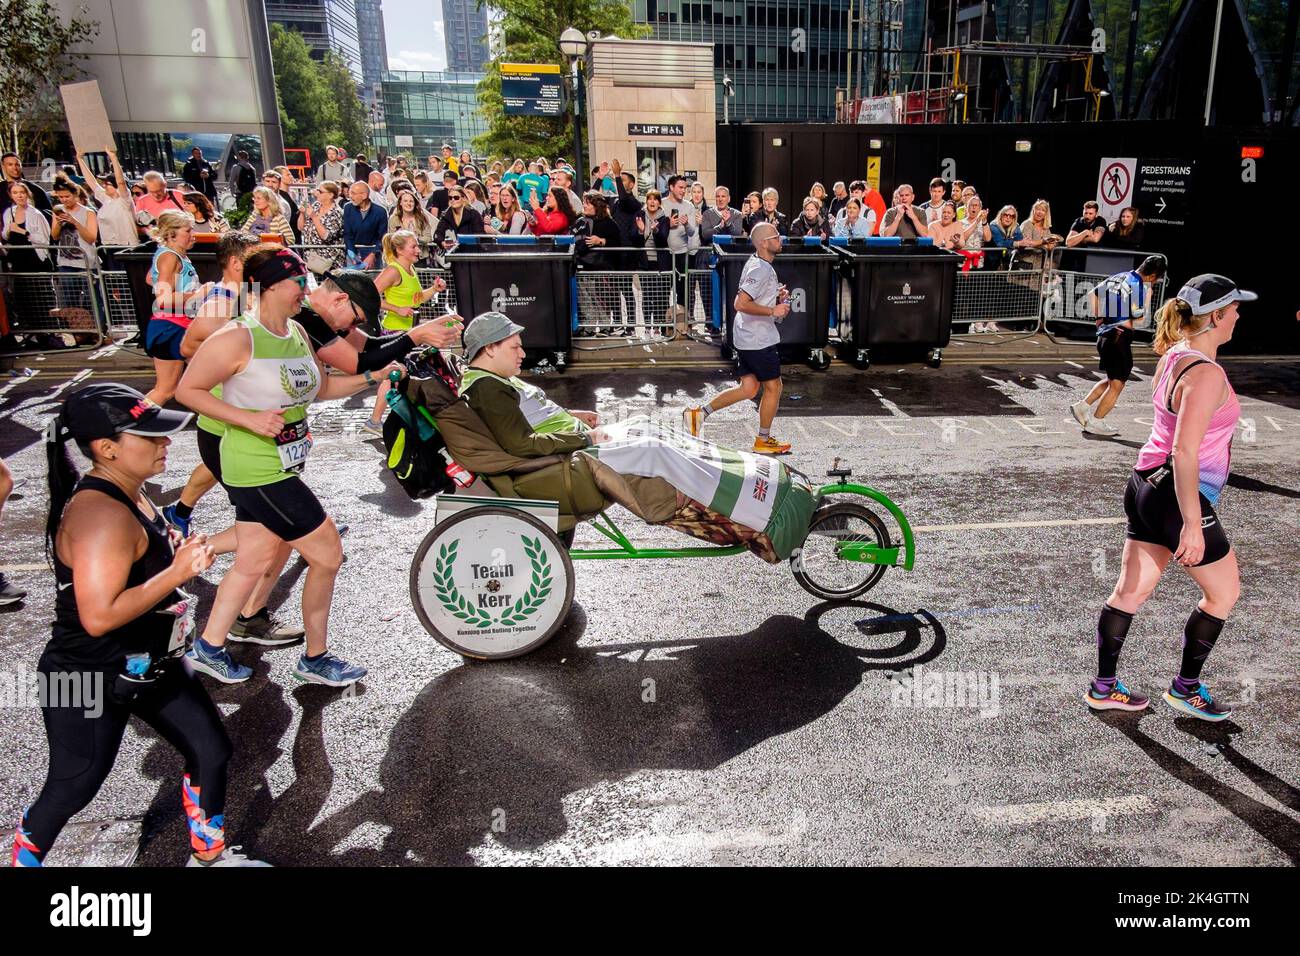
x: 1199, y: 635
x: 1112, y: 628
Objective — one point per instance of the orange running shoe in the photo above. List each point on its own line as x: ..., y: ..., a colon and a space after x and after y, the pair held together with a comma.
x: 693, y: 419
x: 770, y: 446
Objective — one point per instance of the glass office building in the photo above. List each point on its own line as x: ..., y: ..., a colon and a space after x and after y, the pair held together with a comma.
x: 324, y: 24
x: 464, y: 24
x: 785, y: 57
x: 374, y: 46
x: 430, y: 108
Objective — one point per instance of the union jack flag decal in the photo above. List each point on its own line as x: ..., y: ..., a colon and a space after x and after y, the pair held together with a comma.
x: 760, y: 490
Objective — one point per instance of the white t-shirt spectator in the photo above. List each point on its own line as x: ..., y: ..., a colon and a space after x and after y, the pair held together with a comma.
x: 116, y: 219
x: 751, y: 332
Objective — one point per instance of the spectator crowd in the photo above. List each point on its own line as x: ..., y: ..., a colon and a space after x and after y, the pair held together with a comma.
x: 350, y: 208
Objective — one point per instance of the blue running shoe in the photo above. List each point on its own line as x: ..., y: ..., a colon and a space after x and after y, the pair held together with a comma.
x: 216, y: 663
x: 1118, y: 697
x: 180, y: 524
x: 329, y: 670
x: 1197, y: 704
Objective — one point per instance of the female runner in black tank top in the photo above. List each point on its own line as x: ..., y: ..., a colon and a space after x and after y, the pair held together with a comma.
x: 121, y: 625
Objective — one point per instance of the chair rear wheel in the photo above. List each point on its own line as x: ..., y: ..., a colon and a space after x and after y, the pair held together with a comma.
x: 492, y: 583
x: 817, y: 565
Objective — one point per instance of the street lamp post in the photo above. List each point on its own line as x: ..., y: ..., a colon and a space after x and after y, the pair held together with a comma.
x: 573, y: 44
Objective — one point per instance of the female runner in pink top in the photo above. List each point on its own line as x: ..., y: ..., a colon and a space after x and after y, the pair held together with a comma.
x: 1171, y: 496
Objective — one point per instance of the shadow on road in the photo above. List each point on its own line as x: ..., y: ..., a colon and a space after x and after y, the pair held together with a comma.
x: 510, y: 740
x: 1274, y: 826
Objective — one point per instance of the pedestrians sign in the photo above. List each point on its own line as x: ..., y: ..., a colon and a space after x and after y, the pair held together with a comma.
x: 1115, y: 186
x: 531, y: 89
x: 1163, y: 190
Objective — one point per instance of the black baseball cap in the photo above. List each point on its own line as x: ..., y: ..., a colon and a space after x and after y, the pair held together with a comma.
x: 1209, y: 292
x: 360, y: 289
x: 108, y: 409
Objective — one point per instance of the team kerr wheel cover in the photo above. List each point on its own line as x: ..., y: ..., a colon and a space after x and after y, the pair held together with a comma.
x: 492, y: 582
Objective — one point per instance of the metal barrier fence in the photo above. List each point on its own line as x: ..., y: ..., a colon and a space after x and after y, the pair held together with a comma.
x: 1002, y: 288
x: 49, y: 306
x: 1024, y: 292
x: 1067, y: 293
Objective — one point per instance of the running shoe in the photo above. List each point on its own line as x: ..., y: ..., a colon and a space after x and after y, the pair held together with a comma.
x: 1197, y: 704
x: 229, y: 857
x: 180, y: 524
x: 371, y: 429
x: 693, y: 419
x: 266, y: 629
x: 1119, y: 698
x: 1081, y: 411
x: 770, y: 446
x: 8, y: 593
x: 329, y: 670
x: 217, y: 664
x: 1098, y: 427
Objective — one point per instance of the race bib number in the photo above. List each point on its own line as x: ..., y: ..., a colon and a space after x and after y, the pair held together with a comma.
x: 294, y: 445
x: 183, y: 626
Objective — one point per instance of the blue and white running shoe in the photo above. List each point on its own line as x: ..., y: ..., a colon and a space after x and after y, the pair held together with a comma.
x: 217, y: 664
x: 180, y: 524
x: 328, y: 669
x: 1197, y: 704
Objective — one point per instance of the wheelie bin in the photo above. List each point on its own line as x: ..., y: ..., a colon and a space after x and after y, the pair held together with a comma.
x: 900, y: 294
x: 807, y: 269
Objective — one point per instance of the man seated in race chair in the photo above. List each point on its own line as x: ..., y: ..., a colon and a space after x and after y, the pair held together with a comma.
x: 526, y: 446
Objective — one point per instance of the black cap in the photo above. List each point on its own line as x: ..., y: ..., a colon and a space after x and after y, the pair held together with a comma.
x: 1210, y: 292
x: 109, y: 409
x: 360, y: 289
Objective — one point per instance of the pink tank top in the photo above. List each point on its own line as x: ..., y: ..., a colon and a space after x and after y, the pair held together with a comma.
x: 1216, y: 448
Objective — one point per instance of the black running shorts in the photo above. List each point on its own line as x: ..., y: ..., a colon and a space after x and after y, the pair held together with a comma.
x: 288, y: 508
x: 1115, y: 354
x: 1153, y: 516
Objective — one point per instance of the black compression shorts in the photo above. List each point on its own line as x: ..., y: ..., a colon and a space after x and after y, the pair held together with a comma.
x: 288, y: 508
x: 1153, y: 516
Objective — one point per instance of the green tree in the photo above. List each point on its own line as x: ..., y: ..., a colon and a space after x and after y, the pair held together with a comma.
x: 350, y: 128
x: 36, y: 55
x: 308, y: 113
x: 531, y: 30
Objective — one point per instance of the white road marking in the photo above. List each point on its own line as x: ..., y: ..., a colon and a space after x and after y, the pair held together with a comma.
x: 81, y: 376
x: 998, y: 525
x: 1075, y: 364
x: 18, y: 379
x: 1024, y: 814
x: 105, y: 352
x: 6, y: 568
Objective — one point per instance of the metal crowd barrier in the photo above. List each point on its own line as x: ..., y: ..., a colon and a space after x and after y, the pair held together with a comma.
x: 1067, y: 292
x: 1024, y: 291
x: 1002, y: 286
x: 40, y: 306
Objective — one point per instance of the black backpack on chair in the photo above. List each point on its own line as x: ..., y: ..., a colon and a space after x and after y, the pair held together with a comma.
x: 415, y: 448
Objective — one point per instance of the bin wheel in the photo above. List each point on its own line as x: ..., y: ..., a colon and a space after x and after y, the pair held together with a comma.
x: 936, y: 358
x: 819, y: 361
x: 492, y: 583
x: 816, y: 565
x: 862, y: 360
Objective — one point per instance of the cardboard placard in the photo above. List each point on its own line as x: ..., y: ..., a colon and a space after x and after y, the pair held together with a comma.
x: 87, y: 118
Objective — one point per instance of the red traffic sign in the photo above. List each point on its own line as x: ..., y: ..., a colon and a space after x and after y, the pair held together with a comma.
x: 1116, y: 183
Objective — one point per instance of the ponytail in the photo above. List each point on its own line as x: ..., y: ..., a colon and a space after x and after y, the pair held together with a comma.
x: 395, y: 241
x: 62, y: 477
x: 1173, y: 322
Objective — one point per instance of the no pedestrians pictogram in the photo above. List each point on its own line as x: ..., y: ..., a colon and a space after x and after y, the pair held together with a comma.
x: 1115, y: 183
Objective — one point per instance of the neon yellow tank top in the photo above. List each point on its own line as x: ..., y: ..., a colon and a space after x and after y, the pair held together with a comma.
x: 401, y: 295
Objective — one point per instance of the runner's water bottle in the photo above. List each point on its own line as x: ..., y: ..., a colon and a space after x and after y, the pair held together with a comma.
x: 456, y: 472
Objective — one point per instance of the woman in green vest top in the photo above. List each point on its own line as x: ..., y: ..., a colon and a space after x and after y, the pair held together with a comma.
x: 269, y: 375
x: 400, y: 288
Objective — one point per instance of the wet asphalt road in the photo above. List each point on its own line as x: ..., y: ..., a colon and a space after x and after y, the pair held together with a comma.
x: 710, y: 711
